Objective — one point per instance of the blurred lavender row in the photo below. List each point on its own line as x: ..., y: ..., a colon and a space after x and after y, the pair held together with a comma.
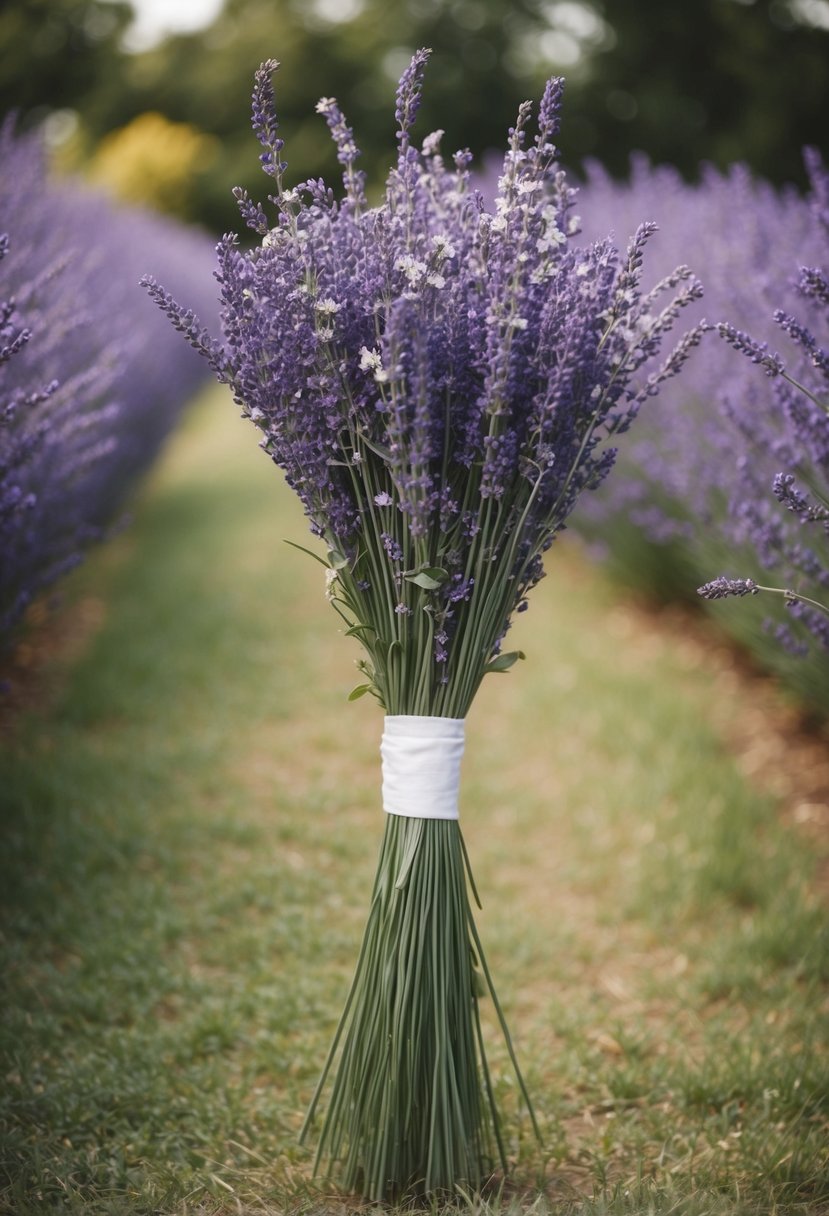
x: 91, y: 377
x: 709, y: 481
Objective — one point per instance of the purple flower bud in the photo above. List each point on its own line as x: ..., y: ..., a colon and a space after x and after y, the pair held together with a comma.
x: 722, y: 587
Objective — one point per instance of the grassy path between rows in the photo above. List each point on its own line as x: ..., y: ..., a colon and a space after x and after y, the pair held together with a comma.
x: 190, y: 829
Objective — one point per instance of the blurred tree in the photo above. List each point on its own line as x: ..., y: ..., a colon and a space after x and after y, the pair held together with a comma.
x: 715, y: 80
x: 60, y: 55
x: 153, y: 162
x: 719, y: 80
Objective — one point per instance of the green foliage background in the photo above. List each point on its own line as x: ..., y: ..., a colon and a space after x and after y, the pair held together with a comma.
x: 717, y: 80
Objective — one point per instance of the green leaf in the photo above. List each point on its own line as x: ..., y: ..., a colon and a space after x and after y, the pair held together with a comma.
x: 302, y: 549
x: 503, y: 662
x: 357, y: 630
x: 359, y: 691
x: 430, y: 578
x: 384, y: 453
x: 337, y: 560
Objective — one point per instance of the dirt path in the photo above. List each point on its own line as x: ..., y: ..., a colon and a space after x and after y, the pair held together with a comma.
x: 778, y: 747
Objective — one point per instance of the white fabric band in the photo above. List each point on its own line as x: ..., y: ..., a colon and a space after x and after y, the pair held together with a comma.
x: 421, y: 765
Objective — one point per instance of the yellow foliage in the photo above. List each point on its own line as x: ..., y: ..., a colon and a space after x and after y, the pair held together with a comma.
x: 152, y: 161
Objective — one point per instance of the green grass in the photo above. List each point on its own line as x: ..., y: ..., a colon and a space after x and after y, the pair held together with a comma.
x: 190, y: 834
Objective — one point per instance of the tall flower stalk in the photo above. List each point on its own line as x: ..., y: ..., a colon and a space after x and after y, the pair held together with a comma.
x: 439, y: 383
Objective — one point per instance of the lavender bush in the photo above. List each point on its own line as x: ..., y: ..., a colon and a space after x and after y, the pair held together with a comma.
x: 706, y: 480
x: 801, y: 392
x: 439, y: 384
x: 91, y: 380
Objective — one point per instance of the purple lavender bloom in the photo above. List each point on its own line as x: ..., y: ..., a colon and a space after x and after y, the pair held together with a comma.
x: 722, y: 587
x: 83, y: 407
x: 426, y: 367
x: 733, y: 464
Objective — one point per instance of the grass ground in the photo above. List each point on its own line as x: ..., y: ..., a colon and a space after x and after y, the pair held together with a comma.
x: 191, y: 822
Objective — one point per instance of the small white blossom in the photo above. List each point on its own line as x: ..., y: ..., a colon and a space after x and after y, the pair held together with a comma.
x: 369, y: 359
x: 414, y: 270
x: 518, y: 323
x: 552, y: 236
x: 256, y: 414
x: 327, y: 306
x: 325, y: 104
x: 443, y: 246
x: 436, y: 280
x: 330, y: 580
x: 381, y: 376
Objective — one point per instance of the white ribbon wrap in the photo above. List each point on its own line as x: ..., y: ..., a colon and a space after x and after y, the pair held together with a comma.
x: 421, y: 765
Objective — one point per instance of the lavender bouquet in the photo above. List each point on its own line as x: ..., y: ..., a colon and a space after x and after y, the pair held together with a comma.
x: 439, y: 383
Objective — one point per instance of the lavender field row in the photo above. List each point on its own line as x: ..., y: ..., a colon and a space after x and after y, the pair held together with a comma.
x: 91, y: 379
x: 724, y: 480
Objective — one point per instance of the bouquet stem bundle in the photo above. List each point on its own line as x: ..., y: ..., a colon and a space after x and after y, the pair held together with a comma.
x: 438, y: 384
x: 412, y: 1107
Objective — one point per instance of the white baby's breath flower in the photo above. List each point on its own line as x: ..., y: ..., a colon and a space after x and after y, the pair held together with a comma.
x: 518, y: 322
x: 327, y: 306
x: 369, y: 359
x: 436, y: 280
x: 443, y: 246
x: 330, y: 580
x: 414, y: 270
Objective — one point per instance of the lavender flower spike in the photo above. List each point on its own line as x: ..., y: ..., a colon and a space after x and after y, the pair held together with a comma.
x: 264, y: 120
x: 409, y: 95
x: 758, y: 352
x: 722, y: 587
